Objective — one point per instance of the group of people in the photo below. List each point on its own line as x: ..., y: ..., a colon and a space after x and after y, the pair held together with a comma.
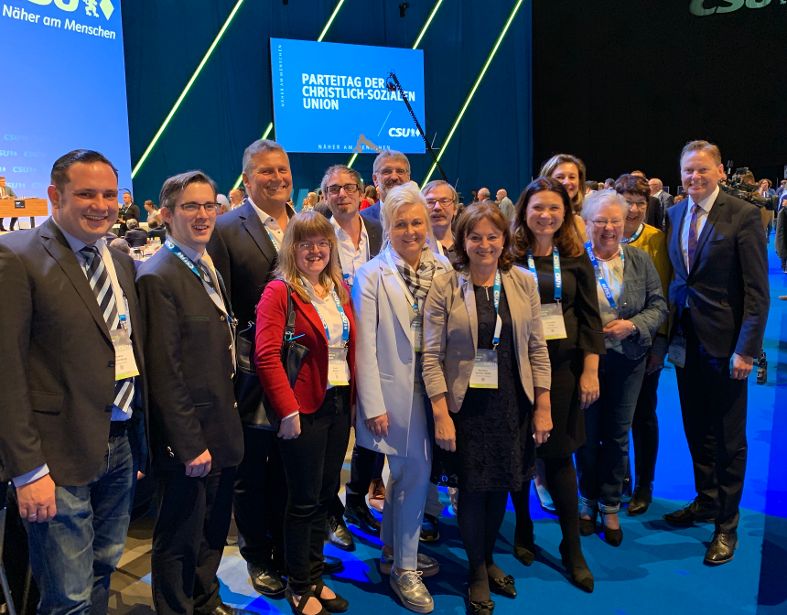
x: 464, y: 347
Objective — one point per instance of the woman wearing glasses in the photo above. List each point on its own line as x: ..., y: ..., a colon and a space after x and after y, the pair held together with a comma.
x: 388, y: 295
x: 486, y: 370
x: 632, y: 307
x: 546, y: 243
x: 315, y: 413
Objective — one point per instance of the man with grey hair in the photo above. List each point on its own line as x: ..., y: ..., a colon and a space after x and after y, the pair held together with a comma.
x: 391, y: 168
x: 135, y: 236
x: 484, y: 194
x: 196, y: 436
x: 244, y: 248
x: 720, y: 292
x: 665, y: 198
x: 505, y: 204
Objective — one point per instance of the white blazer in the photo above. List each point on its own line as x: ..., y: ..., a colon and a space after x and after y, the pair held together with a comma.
x: 385, y: 360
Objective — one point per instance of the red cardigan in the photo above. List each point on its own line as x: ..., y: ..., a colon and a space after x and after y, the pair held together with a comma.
x: 312, y: 382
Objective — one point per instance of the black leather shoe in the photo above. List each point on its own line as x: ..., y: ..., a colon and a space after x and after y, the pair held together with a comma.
x: 722, y: 548
x: 360, y: 515
x: 297, y: 609
x: 338, y: 535
x: 332, y: 605
x: 613, y: 537
x: 691, y: 514
x: 486, y: 607
x: 265, y: 581
x: 224, y: 609
x: 578, y: 571
x: 587, y: 527
x: 331, y: 565
x: 430, y: 529
x: 525, y: 554
x: 640, y: 501
x: 503, y: 586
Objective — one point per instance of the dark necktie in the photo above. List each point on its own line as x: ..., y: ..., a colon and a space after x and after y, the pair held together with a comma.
x: 101, y: 285
x: 691, y: 247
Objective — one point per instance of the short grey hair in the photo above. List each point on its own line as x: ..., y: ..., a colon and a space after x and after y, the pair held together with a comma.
x: 257, y: 147
x: 132, y: 223
x: 340, y: 168
x: 598, y: 199
x: 436, y: 183
x: 383, y: 156
x: 175, y: 185
x: 398, y: 197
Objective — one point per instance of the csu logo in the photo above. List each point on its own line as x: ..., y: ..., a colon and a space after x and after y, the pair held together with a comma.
x: 697, y: 7
x: 70, y: 6
x: 402, y: 132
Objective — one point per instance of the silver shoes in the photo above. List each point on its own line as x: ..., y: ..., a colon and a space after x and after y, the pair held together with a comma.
x: 427, y: 566
x: 412, y: 592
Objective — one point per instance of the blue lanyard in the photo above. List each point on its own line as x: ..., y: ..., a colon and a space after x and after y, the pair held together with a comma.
x: 185, y: 259
x: 531, y: 264
x: 272, y: 237
x: 635, y: 236
x: 496, y: 291
x: 345, y: 320
x: 601, y: 281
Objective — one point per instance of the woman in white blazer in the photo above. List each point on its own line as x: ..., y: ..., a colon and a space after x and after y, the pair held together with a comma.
x: 487, y: 373
x: 388, y: 297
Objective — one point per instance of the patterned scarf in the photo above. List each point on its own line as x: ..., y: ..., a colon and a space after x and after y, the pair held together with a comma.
x: 418, y: 280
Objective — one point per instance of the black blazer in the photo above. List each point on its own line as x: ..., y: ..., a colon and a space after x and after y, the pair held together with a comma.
x: 375, y: 233
x: 655, y: 213
x: 727, y: 289
x: 187, y: 352
x: 245, y: 256
x: 136, y: 238
x: 57, y: 384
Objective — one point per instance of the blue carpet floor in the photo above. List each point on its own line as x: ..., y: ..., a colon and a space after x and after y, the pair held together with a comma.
x: 657, y: 569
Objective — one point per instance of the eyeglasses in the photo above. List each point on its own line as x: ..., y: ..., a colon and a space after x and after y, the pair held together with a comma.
x: 192, y: 208
x: 444, y: 202
x: 348, y: 188
x: 602, y: 222
x: 308, y: 246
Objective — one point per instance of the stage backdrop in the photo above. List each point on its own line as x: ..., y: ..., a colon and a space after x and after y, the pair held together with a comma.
x: 230, y: 103
x: 625, y: 84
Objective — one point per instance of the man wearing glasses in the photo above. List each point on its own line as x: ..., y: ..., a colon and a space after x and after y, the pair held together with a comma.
x: 359, y: 240
x: 390, y: 168
x: 197, y: 440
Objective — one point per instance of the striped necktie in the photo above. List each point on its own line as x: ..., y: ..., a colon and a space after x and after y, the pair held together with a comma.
x: 101, y: 285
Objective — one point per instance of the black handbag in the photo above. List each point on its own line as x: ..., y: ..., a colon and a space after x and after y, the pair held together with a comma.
x: 255, y: 410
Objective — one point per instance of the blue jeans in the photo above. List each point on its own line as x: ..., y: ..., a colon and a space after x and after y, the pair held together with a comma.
x: 602, y: 460
x: 73, y: 556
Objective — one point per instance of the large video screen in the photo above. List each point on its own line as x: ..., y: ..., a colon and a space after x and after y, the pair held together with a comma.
x: 64, y: 87
x: 331, y: 97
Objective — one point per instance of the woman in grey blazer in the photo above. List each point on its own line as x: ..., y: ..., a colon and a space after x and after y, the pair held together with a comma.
x: 487, y: 373
x: 632, y: 306
x: 388, y: 297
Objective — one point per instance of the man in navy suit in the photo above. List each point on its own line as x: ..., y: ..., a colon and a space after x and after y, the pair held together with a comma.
x: 720, y: 295
x: 390, y: 168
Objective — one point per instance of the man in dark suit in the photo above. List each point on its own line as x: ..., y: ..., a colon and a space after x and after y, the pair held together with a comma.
x: 244, y: 248
x: 128, y: 210
x: 720, y: 294
x: 135, y: 236
x: 70, y: 331
x: 196, y: 435
x: 390, y: 168
x: 665, y: 200
x: 359, y: 239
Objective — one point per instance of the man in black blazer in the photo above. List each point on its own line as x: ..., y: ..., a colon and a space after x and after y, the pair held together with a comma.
x: 70, y: 338
x: 720, y: 294
x: 196, y: 435
x: 135, y: 236
x: 390, y: 168
x: 244, y: 248
x: 128, y: 210
x: 359, y: 240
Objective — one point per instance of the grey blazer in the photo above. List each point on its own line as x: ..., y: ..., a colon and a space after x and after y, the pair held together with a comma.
x: 642, y: 301
x: 451, y: 335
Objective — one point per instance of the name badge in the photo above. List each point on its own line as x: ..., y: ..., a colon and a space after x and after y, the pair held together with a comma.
x: 484, y: 374
x: 125, y: 364
x: 676, y: 353
x: 417, y: 331
x: 338, y: 370
x: 553, y: 321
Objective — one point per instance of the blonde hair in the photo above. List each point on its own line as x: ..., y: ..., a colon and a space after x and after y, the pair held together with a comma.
x: 551, y: 165
x: 300, y: 227
x: 398, y: 197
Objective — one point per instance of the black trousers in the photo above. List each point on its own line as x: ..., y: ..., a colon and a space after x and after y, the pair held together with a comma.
x: 259, y: 499
x: 313, y: 464
x: 645, y: 429
x: 714, y: 419
x: 366, y: 466
x: 188, y: 539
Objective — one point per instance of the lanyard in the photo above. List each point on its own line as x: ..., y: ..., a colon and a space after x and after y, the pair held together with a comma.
x: 345, y: 321
x: 635, y: 236
x: 185, y: 259
x: 531, y: 264
x: 496, y: 291
x: 274, y: 241
x: 601, y: 281
x: 412, y: 300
